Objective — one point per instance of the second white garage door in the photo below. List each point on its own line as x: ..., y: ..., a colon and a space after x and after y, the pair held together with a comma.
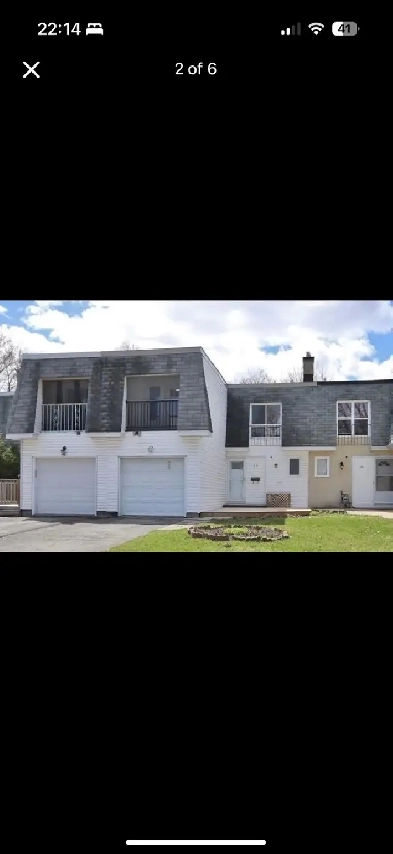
x: 65, y: 487
x: 152, y: 487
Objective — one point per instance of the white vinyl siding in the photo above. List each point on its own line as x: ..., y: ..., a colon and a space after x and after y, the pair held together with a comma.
x: 108, y: 452
x: 212, y: 452
x: 65, y: 487
x: 278, y: 478
x: 274, y: 462
x: 152, y: 487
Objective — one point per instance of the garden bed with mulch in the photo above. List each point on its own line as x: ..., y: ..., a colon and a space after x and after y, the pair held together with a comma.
x: 253, y: 533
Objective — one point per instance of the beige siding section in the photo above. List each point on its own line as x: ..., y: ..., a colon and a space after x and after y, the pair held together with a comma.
x: 108, y: 451
x: 326, y: 491
x: 213, y: 456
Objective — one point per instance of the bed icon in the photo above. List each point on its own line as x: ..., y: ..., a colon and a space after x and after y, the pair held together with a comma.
x: 94, y: 29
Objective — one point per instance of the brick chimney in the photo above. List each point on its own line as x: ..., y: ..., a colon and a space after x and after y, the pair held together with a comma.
x: 308, y: 368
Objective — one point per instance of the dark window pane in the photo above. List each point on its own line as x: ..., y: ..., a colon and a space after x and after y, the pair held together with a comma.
x: 361, y: 427
x: 344, y: 427
x: 384, y: 484
x: 273, y: 414
x: 258, y: 414
x: 344, y: 410
x: 361, y: 410
x: 294, y: 466
x: 155, y: 392
x: 237, y: 465
x: 84, y: 390
x: 49, y: 391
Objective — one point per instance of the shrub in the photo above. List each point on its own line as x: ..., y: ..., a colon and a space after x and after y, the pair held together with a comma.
x: 9, y: 460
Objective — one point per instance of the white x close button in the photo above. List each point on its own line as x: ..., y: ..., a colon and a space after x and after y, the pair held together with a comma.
x: 31, y: 69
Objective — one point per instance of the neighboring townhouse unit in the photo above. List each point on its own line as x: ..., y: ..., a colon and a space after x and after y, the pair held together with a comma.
x: 306, y: 444
x: 160, y: 433
x: 120, y: 433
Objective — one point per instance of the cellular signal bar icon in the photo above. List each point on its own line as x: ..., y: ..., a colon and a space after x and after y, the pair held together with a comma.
x: 295, y: 30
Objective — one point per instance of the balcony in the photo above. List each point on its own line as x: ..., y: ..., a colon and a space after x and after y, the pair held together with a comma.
x: 152, y: 414
x: 348, y: 439
x: 63, y: 417
x: 265, y: 434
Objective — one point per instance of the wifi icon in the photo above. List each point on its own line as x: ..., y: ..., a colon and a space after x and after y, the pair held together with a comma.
x: 316, y: 28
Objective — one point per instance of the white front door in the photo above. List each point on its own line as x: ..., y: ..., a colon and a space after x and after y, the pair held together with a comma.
x: 236, y: 481
x: 384, y: 481
x: 363, y: 481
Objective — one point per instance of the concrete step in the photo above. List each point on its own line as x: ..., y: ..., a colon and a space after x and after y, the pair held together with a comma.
x: 254, y: 512
x: 9, y: 510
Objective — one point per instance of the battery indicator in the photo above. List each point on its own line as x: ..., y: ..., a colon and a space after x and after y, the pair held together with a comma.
x: 345, y: 28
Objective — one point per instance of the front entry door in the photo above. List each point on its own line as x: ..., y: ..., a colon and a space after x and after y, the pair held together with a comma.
x: 363, y: 470
x: 384, y: 481
x: 236, y: 481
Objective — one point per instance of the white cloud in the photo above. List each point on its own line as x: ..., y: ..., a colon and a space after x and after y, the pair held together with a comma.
x: 3, y: 309
x: 233, y: 332
x: 44, y: 303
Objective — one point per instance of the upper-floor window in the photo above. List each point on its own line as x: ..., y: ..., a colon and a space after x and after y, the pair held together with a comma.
x: 265, y: 420
x: 353, y: 418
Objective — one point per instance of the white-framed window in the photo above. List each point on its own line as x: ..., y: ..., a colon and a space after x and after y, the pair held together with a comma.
x: 265, y: 420
x: 353, y: 418
x: 322, y: 465
x: 294, y: 465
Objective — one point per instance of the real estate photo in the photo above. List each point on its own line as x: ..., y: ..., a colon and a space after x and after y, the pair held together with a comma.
x: 160, y: 434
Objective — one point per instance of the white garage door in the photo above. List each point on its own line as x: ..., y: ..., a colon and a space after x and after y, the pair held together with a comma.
x: 152, y: 487
x: 65, y: 487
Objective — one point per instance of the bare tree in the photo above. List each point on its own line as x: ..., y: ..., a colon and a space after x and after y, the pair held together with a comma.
x: 10, y: 362
x: 296, y: 374
x: 256, y: 377
x: 127, y: 346
x: 260, y: 377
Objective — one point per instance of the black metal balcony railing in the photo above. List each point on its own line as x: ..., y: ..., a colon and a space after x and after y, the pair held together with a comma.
x: 152, y: 414
x: 265, y: 434
x: 63, y: 417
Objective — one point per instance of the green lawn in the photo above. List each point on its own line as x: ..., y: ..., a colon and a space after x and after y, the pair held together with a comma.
x: 320, y: 533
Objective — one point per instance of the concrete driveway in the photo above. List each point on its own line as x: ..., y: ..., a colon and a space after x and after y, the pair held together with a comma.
x: 76, y: 534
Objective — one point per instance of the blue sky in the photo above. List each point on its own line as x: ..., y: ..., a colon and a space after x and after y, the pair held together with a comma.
x: 350, y: 339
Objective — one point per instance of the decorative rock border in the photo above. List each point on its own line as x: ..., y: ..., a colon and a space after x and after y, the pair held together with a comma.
x: 255, y: 533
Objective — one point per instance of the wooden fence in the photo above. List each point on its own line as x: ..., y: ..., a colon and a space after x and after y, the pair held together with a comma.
x: 9, y: 492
